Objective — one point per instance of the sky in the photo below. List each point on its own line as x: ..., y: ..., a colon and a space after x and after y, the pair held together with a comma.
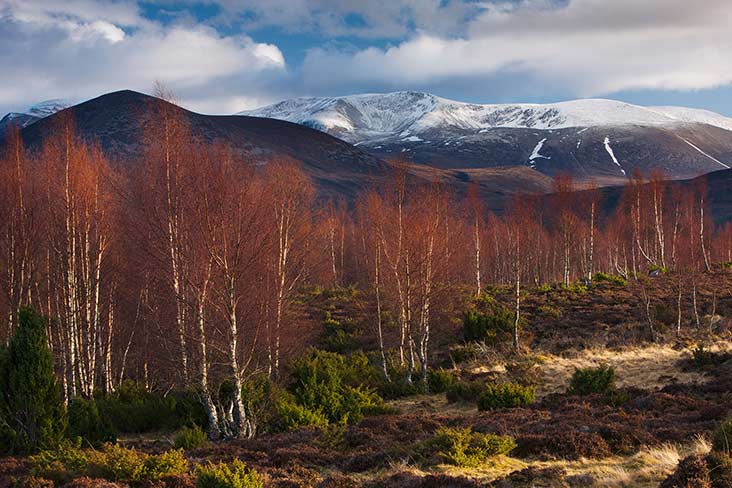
x: 225, y: 56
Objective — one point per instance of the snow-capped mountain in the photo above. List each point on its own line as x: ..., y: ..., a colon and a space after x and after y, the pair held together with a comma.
x: 361, y: 117
x: 33, y: 113
x: 49, y: 107
x: 590, y: 138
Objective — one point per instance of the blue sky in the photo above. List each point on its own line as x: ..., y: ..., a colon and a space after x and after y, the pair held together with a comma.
x: 223, y: 56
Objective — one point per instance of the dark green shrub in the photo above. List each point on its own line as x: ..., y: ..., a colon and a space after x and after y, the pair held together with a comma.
x: 464, y: 391
x: 86, y: 423
x: 184, y: 409
x: 550, y: 311
x: 465, y: 448
x: 505, y: 395
x: 234, y: 475
x: 722, y: 438
x: 578, y: 288
x: 460, y: 354
x: 191, y: 438
x: 592, y: 380
x: 340, y: 336
x: 399, y: 386
x: 491, y: 327
x: 291, y: 415
x: 702, y: 356
x: 333, y: 385
x: 439, y: 380
x: 134, y: 409
x: 610, y: 278
x: 32, y: 416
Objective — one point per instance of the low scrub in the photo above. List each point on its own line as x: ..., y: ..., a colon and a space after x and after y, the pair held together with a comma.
x: 491, y: 327
x: 464, y: 391
x: 550, y: 311
x: 328, y: 388
x: 399, y: 385
x: 340, y: 335
x: 505, y: 395
x: 191, y: 438
x: 702, y: 356
x: 134, y: 409
x: 610, y: 278
x: 461, y: 354
x: 465, y: 448
x: 112, y: 462
x: 696, y: 471
x: 233, y: 475
x: 290, y: 415
x: 85, y: 422
x: 586, y: 381
x: 61, y: 465
x: 439, y: 380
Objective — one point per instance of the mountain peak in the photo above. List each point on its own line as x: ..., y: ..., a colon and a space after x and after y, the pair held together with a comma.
x: 49, y: 107
x: 358, y: 118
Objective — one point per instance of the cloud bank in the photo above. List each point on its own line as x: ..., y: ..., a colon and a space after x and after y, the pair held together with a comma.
x: 583, y: 47
x: 81, y: 48
x: 483, y: 49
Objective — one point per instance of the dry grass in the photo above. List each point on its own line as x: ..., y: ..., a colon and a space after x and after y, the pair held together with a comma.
x: 432, y: 404
x: 645, y: 469
x: 647, y: 367
x: 498, y: 467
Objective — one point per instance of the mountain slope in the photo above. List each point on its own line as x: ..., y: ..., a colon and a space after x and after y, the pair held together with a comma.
x: 116, y: 121
x: 600, y: 139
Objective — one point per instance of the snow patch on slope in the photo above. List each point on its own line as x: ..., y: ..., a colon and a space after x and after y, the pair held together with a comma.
x: 412, y: 139
x: 609, y: 150
x: 705, y: 154
x: 536, y: 153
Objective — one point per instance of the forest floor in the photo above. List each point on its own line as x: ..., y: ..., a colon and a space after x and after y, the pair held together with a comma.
x: 665, y: 406
x: 665, y: 409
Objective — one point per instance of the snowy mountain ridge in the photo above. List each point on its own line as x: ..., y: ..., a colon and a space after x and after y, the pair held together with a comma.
x: 366, y: 117
x: 49, y: 107
x: 33, y: 113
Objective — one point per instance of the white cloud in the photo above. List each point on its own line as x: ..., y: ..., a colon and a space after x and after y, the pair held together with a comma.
x: 52, y: 49
x: 488, y: 49
x: 585, y: 47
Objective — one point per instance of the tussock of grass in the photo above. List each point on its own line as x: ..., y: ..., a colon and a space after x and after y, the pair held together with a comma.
x: 498, y: 467
x: 642, y: 367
